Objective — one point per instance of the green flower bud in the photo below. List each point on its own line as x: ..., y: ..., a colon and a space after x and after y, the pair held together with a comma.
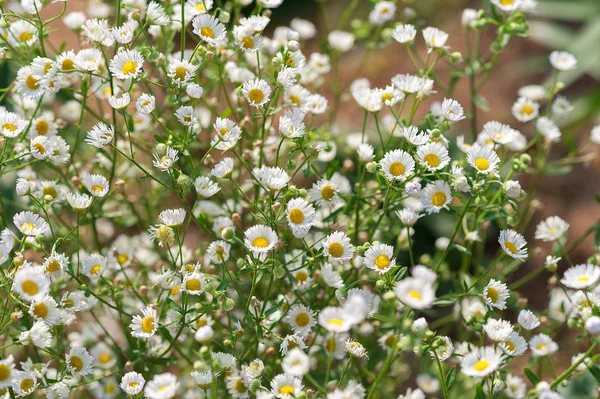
x: 279, y: 271
x: 228, y: 233
x: 372, y: 167
x: 456, y: 57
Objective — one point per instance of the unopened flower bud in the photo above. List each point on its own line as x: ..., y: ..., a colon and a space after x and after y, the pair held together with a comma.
x: 372, y: 167
x: 228, y: 233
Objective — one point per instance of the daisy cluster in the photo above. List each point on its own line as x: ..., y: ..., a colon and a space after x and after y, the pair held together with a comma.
x: 187, y: 213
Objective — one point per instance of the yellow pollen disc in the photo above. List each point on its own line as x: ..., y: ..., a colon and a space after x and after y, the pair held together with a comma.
x: 189, y: 268
x: 26, y: 385
x: 247, y: 42
x: 27, y: 227
x: 40, y: 310
x: 256, y: 96
x: 290, y: 62
x: 30, y: 287
x: 330, y: 345
x: 180, y: 73
x: 109, y: 388
x: 193, y: 285
x: 260, y: 242
x: 382, y: 262
x: 32, y: 83
x: 386, y: 97
x: 390, y: 340
x: 133, y: 384
x: 51, y: 191
x: 510, y: 346
x: 415, y: 294
x: 201, y: 323
x: 296, y: 216
x: 481, y: 365
x: 9, y: 126
x: 541, y: 347
x: 327, y: 193
x: 148, y: 324
x: 4, y: 372
x: 96, y: 188
x: 583, y: 279
x: 41, y: 127
x: 432, y: 160
x: 25, y: 37
x: 438, y: 199
x: 223, y: 131
x: 47, y: 67
x: 40, y: 148
x: 397, y: 169
x: 301, y: 276
x: 122, y: 258
x: 104, y: 358
x: 95, y: 270
x: 200, y: 7
x: 336, y: 322
x: 507, y: 2
x: 335, y: 249
x: 76, y: 363
x: 527, y: 110
x: 492, y: 293
x: 482, y: 163
x: 68, y: 64
x: 295, y: 99
x: 287, y: 390
x: 511, y: 247
x: 302, y: 319
x: 207, y: 32
x: 129, y: 68
x: 174, y: 291
x: 239, y: 385
x: 163, y: 388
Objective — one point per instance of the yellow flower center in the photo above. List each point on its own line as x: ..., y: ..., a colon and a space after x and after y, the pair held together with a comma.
x: 327, y: 193
x: 148, y: 324
x: 438, y: 199
x: 481, y: 365
x: 40, y: 148
x: 432, y: 160
x: 122, y: 258
x: 32, y: 83
x: 301, y: 276
x: 294, y: 99
x: 256, y: 96
x: 200, y: 7
x: 174, y: 291
x: 104, y: 358
x: 415, y: 294
x: 482, y: 163
x: 68, y: 64
x: 9, y: 126
x: 95, y: 269
x: 397, y: 169
x: 41, y: 127
x: 76, y: 363
x: 26, y: 385
x: 30, y: 287
x: 109, y: 388
x: 4, y: 372
x: 51, y: 191
x: 335, y: 322
x: 382, y: 262
x: 335, y: 249
x: 302, y: 319
x: 511, y: 247
x: 507, y: 2
x: 260, y: 242
x: 492, y: 293
x: 239, y: 385
x: 25, y: 37
x: 528, y: 109
x: 193, y: 285
x: 287, y: 390
x: 133, y: 384
x: 40, y: 310
x: 510, y: 346
x: 296, y: 216
x: 247, y: 42
x: 97, y: 189
x: 180, y: 73
x: 129, y: 68
x: 207, y: 32
x: 390, y: 341
x: 386, y: 97
x: 541, y: 347
x: 201, y: 323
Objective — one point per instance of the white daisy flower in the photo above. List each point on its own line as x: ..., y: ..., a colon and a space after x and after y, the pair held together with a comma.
x: 291, y: 123
x: 286, y: 386
x: 525, y: 109
x: 551, y: 229
x: 338, y: 248
x: 132, y: 383
x: 414, y: 136
x: 100, y: 135
x: 257, y: 92
x: 193, y: 283
x: 296, y: 363
x: 300, y: 215
x: 507, y: 5
x: 46, y: 309
x: 301, y: 319
x: 436, y: 196
x: 542, y: 345
x: 209, y: 29
x: 206, y: 187
x: 28, y: 84
x: 382, y: 12
x: 563, y: 61
x: 79, y: 361
x: 31, y: 224
x: 260, y: 239
x: 340, y: 40
x: 119, y: 103
x: 548, y: 129
x: 452, y: 110
x: 380, y: 257
x: 334, y: 319
x: 7, y: 371
x: 172, y: 217
x: 481, y: 362
x: 218, y: 251
x: 397, y: 165
x: 223, y: 169
x: 79, y: 202
x: 444, y: 351
x: 513, y: 244
x: 497, y: 329
x: 181, y: 71
x: 145, y: 104
x: 185, y: 115
x: 483, y: 159
x: 146, y: 325
x: 93, y: 266
x: 324, y: 192
x: 433, y: 156
x: 434, y: 38
x: 162, y: 386
x: 165, y: 161
x: 42, y: 147
x: 24, y: 383
x: 528, y: 320
x: 97, y: 185
x: 11, y: 125
x: 581, y: 276
x: 404, y: 33
x: 415, y: 293
x: 495, y: 294
x: 126, y: 64
x: 496, y: 132
x: 273, y: 178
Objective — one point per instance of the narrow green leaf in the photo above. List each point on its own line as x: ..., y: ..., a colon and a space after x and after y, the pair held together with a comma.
x: 479, y: 394
x: 595, y: 372
x: 450, y: 377
x: 531, y: 376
